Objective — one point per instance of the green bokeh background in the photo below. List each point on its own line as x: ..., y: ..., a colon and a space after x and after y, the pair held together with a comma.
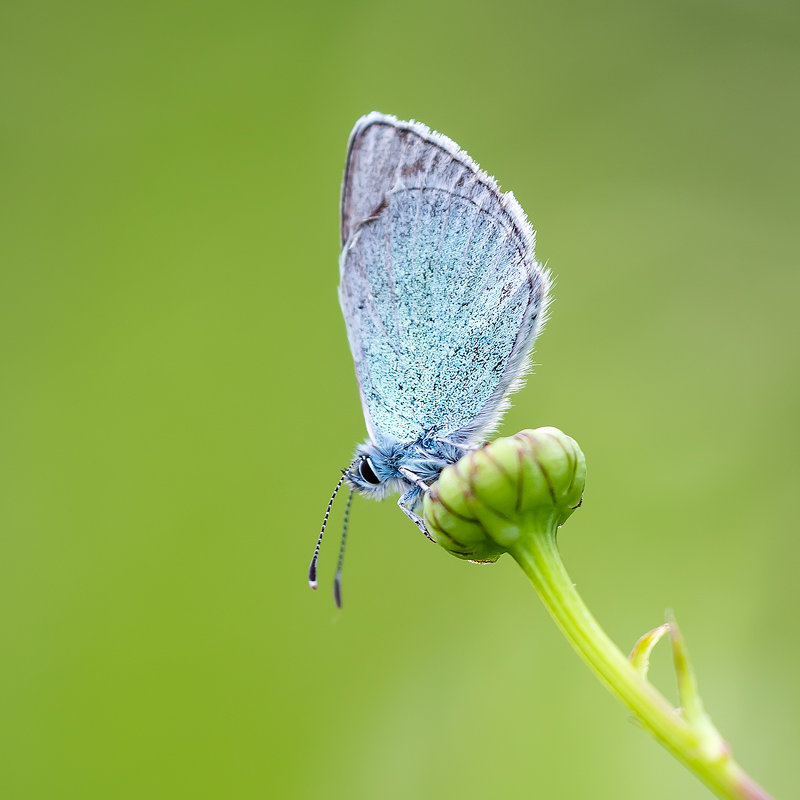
x: 177, y: 396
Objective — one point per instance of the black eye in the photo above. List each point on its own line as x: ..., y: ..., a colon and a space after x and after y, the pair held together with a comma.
x: 367, y: 473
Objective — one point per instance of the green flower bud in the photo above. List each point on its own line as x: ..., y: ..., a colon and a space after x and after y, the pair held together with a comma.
x: 492, y: 498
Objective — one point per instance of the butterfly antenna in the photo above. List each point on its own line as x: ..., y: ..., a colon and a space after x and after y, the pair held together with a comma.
x: 337, y: 582
x: 312, y: 569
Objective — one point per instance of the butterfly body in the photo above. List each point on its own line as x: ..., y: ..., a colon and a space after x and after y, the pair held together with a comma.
x: 383, y: 467
x: 442, y: 298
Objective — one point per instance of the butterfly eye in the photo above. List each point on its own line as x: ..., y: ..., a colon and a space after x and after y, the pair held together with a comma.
x: 366, y: 471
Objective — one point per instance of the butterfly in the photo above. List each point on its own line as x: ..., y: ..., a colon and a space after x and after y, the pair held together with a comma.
x: 442, y: 299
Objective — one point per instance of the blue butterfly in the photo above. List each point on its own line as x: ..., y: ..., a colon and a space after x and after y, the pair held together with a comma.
x: 442, y: 298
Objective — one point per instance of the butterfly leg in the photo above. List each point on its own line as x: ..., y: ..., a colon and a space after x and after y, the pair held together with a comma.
x: 463, y: 448
x: 409, y: 496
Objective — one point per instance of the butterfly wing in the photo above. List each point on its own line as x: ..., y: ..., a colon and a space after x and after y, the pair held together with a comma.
x: 440, y: 288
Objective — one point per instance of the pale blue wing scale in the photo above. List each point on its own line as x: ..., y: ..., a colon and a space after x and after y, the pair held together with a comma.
x: 441, y: 292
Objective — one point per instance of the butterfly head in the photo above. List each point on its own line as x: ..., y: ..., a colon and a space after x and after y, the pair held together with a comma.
x: 374, y: 471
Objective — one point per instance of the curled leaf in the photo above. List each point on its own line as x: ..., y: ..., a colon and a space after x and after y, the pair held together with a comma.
x: 640, y: 655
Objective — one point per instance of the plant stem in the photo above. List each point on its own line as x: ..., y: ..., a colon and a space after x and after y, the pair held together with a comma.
x: 705, y: 754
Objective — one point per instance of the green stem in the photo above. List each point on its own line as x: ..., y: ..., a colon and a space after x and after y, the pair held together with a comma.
x: 707, y: 756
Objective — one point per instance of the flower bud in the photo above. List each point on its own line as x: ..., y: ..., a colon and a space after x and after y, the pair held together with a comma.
x: 494, y: 497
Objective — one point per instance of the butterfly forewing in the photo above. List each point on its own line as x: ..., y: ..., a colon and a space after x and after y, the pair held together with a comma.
x: 441, y: 292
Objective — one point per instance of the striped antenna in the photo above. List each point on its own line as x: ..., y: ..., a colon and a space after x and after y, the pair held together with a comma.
x: 337, y: 582
x: 312, y: 569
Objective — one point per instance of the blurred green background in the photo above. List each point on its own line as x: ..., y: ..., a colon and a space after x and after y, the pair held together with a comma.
x: 177, y: 397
